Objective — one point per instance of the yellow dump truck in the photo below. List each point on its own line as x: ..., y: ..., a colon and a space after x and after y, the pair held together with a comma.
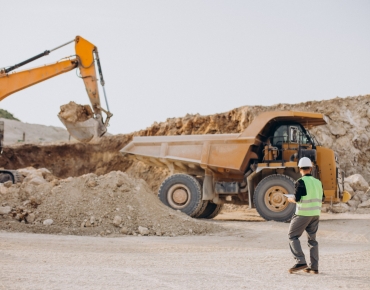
x: 255, y: 168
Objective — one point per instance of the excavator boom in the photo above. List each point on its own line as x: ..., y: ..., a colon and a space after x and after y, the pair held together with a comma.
x: 85, y: 57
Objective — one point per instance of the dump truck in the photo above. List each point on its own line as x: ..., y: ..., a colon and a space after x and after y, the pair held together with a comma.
x: 256, y: 167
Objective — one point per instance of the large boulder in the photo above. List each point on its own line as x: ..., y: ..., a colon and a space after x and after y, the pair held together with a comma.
x: 357, y: 182
x: 339, y: 208
x: 365, y: 204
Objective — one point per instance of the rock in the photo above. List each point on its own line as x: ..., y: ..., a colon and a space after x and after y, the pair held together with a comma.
x: 83, y: 224
x: 108, y: 232
x: 158, y: 233
x: 143, y: 231
x: 356, y: 197
x: 3, y: 189
x: 117, y: 220
x: 5, y: 209
x: 357, y: 182
x: 353, y: 203
x: 91, y: 182
x: 92, y: 219
x: 124, y: 231
x: 8, y: 184
x: 348, y: 188
x: 37, y: 181
x: 363, y: 210
x: 26, y: 171
x: 30, y: 218
x: 340, y: 208
x: 361, y: 196
x: 323, y: 209
x: 48, y: 222
x: 365, y: 204
x: 190, y: 231
x: 337, y: 129
x: 88, y: 224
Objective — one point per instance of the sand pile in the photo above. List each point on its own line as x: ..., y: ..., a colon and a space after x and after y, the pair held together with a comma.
x: 73, y: 112
x: 111, y: 204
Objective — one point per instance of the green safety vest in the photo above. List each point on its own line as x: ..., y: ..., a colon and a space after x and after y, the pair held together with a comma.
x: 310, y: 205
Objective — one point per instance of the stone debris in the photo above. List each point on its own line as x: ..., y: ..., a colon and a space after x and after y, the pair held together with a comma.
x: 48, y: 222
x: 117, y: 220
x: 359, y: 188
x: 5, y: 209
x: 73, y: 112
x: 365, y: 204
x: 112, y: 204
x: 143, y: 231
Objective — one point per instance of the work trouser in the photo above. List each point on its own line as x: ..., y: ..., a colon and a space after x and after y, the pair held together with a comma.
x: 298, y: 225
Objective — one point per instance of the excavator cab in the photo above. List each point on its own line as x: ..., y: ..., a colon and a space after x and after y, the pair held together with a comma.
x: 84, y: 123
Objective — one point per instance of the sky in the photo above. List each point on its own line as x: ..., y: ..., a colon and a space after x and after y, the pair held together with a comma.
x: 164, y: 59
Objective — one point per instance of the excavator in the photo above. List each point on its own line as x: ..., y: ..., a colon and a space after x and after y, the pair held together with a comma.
x: 86, y: 59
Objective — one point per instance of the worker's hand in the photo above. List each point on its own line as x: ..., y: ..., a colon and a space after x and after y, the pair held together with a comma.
x: 292, y: 200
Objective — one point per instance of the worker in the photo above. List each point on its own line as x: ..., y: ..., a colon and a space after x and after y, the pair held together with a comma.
x: 308, y: 197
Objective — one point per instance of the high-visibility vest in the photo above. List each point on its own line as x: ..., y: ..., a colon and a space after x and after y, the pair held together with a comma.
x: 310, y: 205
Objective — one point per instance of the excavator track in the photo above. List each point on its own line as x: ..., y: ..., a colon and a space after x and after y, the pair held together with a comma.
x: 13, y: 175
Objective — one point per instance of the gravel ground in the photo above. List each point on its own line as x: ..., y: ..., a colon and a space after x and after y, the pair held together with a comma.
x: 247, y: 255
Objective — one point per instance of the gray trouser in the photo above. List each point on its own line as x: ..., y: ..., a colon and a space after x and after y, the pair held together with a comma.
x: 298, y: 225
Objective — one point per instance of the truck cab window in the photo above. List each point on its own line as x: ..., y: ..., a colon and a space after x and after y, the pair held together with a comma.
x: 280, y: 136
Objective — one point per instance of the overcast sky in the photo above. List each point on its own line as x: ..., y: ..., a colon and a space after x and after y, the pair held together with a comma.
x: 164, y: 59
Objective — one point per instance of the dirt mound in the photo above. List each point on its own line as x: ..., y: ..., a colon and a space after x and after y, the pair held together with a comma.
x: 73, y: 112
x: 90, y: 205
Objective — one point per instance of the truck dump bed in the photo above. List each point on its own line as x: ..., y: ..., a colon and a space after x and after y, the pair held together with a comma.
x: 223, y: 153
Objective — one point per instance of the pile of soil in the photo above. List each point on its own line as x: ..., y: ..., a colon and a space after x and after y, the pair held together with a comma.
x: 111, y: 204
x: 74, y: 113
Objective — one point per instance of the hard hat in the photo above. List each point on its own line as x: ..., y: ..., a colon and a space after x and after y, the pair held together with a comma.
x: 305, y: 162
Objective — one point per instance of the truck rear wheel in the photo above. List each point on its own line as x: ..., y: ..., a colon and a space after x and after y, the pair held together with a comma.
x: 211, y: 211
x: 269, y: 198
x: 182, y: 192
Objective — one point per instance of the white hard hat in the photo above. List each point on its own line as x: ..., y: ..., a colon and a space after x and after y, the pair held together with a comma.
x: 305, y: 162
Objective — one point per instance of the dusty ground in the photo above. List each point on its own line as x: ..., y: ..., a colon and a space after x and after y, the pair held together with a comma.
x: 249, y: 255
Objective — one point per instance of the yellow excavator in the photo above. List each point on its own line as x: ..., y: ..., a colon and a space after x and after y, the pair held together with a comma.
x: 86, y: 59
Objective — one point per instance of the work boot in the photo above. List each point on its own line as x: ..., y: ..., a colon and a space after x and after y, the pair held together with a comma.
x: 297, y: 267
x: 311, y: 271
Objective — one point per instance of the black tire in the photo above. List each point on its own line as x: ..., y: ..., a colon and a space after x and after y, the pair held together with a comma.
x: 269, y: 200
x: 189, y: 190
x: 211, y: 211
x: 4, y: 177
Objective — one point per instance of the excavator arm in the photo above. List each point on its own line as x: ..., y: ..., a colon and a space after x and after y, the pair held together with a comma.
x: 85, y: 58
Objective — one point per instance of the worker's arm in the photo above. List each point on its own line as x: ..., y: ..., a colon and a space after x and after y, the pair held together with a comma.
x: 300, y: 190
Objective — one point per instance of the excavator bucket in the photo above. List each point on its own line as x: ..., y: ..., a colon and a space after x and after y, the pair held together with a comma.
x: 85, y: 131
x: 80, y: 122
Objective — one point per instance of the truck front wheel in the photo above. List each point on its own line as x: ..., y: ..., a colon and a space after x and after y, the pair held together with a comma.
x: 269, y: 198
x: 182, y: 192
